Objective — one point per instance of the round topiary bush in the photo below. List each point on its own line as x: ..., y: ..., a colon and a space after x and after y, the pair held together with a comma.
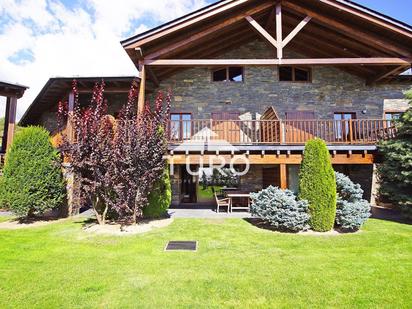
x: 317, y: 185
x: 351, y: 209
x: 280, y: 209
x: 32, y: 180
x: 159, y: 198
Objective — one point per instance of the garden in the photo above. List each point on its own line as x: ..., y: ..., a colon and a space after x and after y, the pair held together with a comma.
x: 117, y: 167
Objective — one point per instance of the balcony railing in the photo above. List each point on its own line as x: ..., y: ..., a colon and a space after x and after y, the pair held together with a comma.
x: 293, y: 132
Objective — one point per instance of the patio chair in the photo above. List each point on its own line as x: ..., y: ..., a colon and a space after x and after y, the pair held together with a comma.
x: 225, y: 202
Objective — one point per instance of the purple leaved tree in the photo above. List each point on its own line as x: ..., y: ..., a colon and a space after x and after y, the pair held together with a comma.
x: 116, y: 162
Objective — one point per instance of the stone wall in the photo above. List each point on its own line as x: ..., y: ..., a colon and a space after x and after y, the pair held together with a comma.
x: 331, y: 90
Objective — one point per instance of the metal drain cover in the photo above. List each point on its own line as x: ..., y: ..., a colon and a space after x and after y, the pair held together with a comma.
x: 181, y: 246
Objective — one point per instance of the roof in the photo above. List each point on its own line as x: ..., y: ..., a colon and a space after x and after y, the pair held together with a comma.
x: 12, y: 89
x: 338, y: 29
x: 218, y: 4
x: 57, y: 88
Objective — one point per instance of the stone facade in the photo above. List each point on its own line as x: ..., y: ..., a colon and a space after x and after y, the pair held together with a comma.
x: 331, y: 90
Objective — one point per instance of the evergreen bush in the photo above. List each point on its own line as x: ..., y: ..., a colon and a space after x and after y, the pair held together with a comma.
x: 395, y: 173
x: 352, y: 210
x: 32, y: 180
x: 280, y: 209
x: 159, y: 198
x: 317, y: 185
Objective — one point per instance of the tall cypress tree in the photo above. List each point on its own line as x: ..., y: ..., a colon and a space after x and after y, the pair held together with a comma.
x: 317, y: 185
x: 395, y: 173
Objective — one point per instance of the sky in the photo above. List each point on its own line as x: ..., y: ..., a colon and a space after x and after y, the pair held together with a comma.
x: 40, y: 39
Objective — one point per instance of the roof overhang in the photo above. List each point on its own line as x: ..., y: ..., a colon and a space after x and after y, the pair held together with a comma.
x: 337, y: 29
x: 12, y: 90
x: 57, y: 88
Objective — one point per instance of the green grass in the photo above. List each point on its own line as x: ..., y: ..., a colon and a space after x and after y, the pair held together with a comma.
x: 5, y: 218
x: 236, y: 266
x: 207, y: 194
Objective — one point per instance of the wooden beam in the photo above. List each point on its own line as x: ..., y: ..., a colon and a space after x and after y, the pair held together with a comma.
x: 369, y: 16
x: 276, y: 62
x: 279, y: 38
x: 9, y: 122
x: 295, y: 31
x: 261, y: 31
x: 152, y: 76
x: 192, y: 38
x: 283, y: 177
x: 266, y: 159
x: 379, y: 77
x: 200, y: 17
x: 340, y: 41
x: 350, y: 31
x: 142, y: 89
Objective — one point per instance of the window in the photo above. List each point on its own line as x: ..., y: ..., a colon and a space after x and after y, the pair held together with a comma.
x: 228, y: 74
x: 294, y: 74
x: 341, y: 124
x: 180, y: 126
x: 393, y: 115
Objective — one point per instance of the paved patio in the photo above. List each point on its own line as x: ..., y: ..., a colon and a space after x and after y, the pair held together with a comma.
x: 204, y: 211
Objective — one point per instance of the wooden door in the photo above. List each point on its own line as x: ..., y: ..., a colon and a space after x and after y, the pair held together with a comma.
x: 226, y: 126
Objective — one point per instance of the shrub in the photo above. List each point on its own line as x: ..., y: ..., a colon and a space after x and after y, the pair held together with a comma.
x: 159, y: 198
x: 280, y: 209
x: 395, y: 173
x: 32, y: 181
x: 317, y: 185
x: 352, y: 210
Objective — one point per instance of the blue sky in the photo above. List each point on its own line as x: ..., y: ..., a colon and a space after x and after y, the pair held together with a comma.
x: 398, y: 9
x: 40, y: 39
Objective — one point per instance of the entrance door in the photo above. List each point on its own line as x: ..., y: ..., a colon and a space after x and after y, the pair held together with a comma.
x: 271, y: 177
x: 188, y: 186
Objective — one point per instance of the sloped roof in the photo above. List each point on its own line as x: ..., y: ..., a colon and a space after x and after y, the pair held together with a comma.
x: 12, y: 89
x: 338, y: 29
x: 57, y: 88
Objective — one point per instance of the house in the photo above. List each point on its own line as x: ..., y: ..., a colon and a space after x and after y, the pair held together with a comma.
x: 265, y: 77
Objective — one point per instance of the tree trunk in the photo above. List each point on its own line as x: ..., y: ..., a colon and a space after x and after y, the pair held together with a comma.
x: 101, y: 218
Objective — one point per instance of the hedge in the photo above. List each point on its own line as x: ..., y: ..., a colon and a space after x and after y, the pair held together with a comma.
x: 32, y: 180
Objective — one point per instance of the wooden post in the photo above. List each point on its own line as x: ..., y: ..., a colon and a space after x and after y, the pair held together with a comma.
x: 279, y: 37
x: 142, y: 89
x: 282, y: 133
x: 350, y: 131
x: 283, y: 177
x: 9, y: 122
x: 70, y: 109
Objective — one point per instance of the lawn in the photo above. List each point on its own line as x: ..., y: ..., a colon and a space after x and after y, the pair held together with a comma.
x: 236, y: 266
x: 207, y: 193
x: 5, y: 218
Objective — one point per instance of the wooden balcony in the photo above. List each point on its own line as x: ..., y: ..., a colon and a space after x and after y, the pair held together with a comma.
x: 280, y: 132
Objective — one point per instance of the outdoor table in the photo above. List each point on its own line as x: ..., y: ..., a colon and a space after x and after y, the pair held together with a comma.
x: 239, y: 195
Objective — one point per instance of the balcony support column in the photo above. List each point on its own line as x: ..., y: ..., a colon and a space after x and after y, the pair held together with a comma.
x: 283, y: 176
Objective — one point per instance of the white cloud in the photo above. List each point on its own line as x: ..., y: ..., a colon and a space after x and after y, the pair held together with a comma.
x: 79, y: 41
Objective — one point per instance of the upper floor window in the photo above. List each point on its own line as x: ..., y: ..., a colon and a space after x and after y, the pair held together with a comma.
x: 228, y: 74
x: 180, y: 126
x: 392, y: 115
x: 342, y: 125
x: 294, y: 74
x: 344, y: 116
